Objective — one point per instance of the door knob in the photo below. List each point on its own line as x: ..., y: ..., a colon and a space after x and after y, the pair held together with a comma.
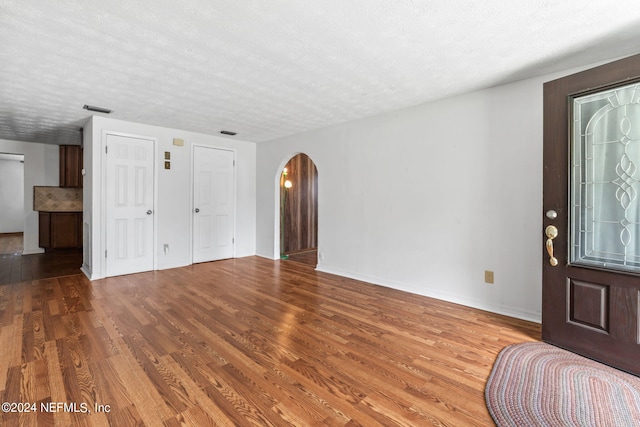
x: 197, y: 210
x: 551, y: 232
x: 149, y: 212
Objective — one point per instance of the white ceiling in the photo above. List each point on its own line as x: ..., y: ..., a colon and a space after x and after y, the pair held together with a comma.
x: 266, y: 69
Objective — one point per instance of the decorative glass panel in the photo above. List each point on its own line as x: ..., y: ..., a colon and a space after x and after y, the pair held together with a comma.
x: 605, y: 179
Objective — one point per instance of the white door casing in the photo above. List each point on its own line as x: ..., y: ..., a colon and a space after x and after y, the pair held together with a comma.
x: 130, y: 198
x: 213, y: 204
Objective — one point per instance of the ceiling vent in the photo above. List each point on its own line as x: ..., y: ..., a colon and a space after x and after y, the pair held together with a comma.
x: 228, y: 132
x: 97, y: 109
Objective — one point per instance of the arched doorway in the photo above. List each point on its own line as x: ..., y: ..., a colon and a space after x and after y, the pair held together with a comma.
x: 299, y: 210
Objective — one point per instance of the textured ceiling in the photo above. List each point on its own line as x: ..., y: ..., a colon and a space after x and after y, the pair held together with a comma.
x: 266, y: 69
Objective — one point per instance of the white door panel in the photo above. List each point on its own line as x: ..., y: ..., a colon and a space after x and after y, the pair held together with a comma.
x: 130, y: 216
x: 213, y: 204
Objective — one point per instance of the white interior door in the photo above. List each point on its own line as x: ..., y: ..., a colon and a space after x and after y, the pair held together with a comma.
x: 130, y: 197
x: 213, y: 204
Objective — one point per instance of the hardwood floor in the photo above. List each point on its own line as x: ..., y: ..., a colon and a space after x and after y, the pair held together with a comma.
x: 16, y: 268
x: 309, y: 257
x: 244, y: 342
x: 11, y: 243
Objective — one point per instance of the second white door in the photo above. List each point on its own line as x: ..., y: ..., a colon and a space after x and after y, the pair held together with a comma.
x: 213, y: 204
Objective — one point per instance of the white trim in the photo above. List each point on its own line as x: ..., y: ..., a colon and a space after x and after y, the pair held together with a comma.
x: 85, y: 270
x: 443, y: 296
x: 103, y: 195
x: 33, y: 251
x: 267, y: 256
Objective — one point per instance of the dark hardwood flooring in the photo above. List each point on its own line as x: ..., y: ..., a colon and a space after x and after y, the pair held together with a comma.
x: 309, y: 257
x: 16, y: 268
x: 244, y: 342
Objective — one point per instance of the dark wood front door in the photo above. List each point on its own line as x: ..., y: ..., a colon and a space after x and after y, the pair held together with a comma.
x: 592, y: 183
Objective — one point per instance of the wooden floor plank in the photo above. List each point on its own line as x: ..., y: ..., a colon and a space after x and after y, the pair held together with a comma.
x: 57, y: 390
x: 197, y: 396
x: 242, y: 342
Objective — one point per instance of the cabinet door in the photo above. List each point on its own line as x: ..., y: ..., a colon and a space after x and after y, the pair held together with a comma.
x: 44, y: 229
x: 70, y: 166
x: 64, y: 230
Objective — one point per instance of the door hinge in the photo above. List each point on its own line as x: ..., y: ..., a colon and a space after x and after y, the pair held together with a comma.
x: 233, y: 240
x: 105, y: 253
x: 234, y: 163
x: 106, y: 149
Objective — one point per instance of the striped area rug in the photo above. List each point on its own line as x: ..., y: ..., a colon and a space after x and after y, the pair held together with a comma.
x: 537, y: 384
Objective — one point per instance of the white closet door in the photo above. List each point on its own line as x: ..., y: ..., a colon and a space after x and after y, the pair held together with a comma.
x: 130, y: 197
x: 213, y: 204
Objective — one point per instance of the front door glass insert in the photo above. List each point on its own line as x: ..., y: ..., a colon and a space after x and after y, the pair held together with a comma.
x: 605, y: 179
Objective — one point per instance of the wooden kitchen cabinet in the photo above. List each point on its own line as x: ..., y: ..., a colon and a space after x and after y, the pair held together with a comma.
x: 60, y: 230
x: 70, y: 166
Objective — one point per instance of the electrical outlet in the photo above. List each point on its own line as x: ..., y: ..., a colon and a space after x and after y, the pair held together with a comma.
x: 166, y: 248
x: 488, y: 276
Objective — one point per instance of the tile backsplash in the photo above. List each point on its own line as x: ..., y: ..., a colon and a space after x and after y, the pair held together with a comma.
x: 56, y: 199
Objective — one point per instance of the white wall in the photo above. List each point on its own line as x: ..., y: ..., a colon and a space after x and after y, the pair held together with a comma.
x: 11, y: 196
x: 41, y: 163
x: 427, y: 198
x: 87, y: 197
x: 173, y: 211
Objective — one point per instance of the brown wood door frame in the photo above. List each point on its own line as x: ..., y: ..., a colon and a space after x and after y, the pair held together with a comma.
x: 607, y: 327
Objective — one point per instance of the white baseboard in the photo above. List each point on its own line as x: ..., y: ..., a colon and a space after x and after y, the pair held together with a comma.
x: 267, y: 256
x: 86, y: 271
x: 33, y: 251
x: 480, y: 305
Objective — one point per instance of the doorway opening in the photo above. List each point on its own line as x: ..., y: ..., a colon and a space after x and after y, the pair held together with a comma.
x: 12, y: 202
x: 298, y: 213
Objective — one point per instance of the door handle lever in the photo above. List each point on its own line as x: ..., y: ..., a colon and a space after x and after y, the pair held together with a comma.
x: 551, y: 232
